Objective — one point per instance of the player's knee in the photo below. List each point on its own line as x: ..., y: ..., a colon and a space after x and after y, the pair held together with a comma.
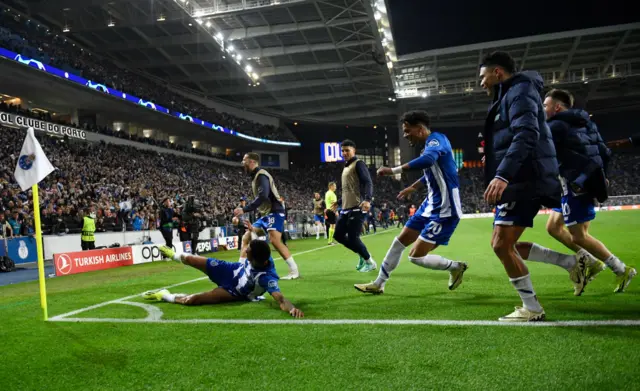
x: 502, y: 247
x: 578, y: 237
x: 191, y: 300
x: 554, y: 230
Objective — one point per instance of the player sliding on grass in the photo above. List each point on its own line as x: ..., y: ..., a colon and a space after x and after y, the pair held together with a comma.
x: 237, y: 281
x: 434, y: 223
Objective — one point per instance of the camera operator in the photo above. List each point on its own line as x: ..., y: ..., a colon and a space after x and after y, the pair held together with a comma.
x: 167, y: 219
x: 238, y: 221
x: 192, y: 216
x: 183, y: 230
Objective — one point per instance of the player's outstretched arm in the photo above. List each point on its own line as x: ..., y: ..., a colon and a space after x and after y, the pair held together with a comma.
x: 286, y: 305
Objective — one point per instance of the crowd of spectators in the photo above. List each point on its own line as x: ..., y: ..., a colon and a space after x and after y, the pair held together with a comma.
x: 125, y: 185
x: 30, y: 39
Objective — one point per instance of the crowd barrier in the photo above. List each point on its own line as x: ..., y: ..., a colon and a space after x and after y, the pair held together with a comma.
x: 20, y: 249
x: 70, y: 243
x: 23, y: 249
x: 75, y: 262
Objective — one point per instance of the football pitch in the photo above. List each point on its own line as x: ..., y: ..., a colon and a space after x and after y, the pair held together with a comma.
x: 417, y: 335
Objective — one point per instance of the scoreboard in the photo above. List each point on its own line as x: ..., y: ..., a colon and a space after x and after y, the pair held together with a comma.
x: 330, y: 152
x: 458, y: 157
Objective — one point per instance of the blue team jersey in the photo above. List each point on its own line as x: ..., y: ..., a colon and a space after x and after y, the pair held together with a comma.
x: 241, y: 279
x: 440, y: 179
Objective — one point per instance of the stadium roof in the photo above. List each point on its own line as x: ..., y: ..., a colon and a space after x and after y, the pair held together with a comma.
x: 331, y: 60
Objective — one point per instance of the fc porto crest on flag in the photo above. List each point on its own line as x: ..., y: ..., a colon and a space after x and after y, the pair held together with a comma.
x: 26, y: 161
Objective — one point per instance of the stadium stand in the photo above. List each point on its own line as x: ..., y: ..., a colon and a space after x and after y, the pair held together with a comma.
x: 24, y: 37
x: 121, y: 182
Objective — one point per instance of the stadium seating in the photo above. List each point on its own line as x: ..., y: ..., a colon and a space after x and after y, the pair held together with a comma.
x: 120, y: 180
x: 27, y: 38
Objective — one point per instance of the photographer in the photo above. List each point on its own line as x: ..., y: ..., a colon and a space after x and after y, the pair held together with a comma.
x: 191, y: 217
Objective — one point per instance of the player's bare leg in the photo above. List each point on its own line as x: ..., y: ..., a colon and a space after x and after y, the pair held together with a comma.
x: 246, y: 239
x: 275, y: 238
x: 555, y: 228
x: 215, y: 296
x: 503, y: 241
x: 580, y: 235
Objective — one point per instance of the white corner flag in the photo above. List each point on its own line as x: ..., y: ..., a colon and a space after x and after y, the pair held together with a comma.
x: 33, y: 166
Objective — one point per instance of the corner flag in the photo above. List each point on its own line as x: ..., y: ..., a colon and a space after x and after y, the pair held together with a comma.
x: 33, y: 166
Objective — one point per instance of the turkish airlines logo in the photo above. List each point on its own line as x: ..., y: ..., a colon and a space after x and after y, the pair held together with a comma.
x: 64, y: 264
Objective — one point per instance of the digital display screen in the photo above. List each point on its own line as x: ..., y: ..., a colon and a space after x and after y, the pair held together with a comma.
x: 330, y: 152
x: 33, y: 63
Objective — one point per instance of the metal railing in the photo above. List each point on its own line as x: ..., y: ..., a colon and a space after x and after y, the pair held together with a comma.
x: 220, y: 7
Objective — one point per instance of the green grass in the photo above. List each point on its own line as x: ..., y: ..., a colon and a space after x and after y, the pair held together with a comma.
x: 109, y: 356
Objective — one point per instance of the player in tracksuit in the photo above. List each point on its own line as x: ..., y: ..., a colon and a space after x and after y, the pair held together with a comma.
x: 438, y: 216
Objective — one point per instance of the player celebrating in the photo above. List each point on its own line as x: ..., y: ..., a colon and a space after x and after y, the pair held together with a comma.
x: 583, y: 157
x: 357, y: 190
x: 331, y: 205
x: 318, y: 214
x: 268, y: 203
x: 237, y: 281
x: 439, y: 214
x: 521, y: 166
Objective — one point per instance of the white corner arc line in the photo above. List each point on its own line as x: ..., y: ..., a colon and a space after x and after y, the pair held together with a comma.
x: 115, y: 301
x: 154, y: 313
x: 398, y: 322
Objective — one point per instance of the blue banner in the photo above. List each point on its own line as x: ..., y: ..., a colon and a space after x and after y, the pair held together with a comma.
x: 121, y: 95
x: 21, y: 250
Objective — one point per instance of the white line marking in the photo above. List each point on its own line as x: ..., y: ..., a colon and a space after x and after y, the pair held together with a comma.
x: 154, y: 313
x: 116, y: 301
x: 403, y: 322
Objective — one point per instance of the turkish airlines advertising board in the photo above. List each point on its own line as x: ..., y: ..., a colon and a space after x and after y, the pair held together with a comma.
x: 88, y: 261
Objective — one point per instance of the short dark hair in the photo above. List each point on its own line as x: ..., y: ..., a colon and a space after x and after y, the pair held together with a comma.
x: 500, y: 59
x: 348, y: 143
x: 416, y: 117
x: 260, y: 250
x: 253, y: 156
x: 562, y: 96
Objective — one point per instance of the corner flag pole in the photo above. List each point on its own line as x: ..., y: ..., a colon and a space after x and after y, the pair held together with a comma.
x: 32, y: 167
x: 38, y: 227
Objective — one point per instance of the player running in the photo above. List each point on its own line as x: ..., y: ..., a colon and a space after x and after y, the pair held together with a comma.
x: 437, y: 218
x: 520, y: 166
x: 237, y: 281
x: 268, y: 203
x: 318, y: 215
x: 583, y: 157
x: 331, y: 205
